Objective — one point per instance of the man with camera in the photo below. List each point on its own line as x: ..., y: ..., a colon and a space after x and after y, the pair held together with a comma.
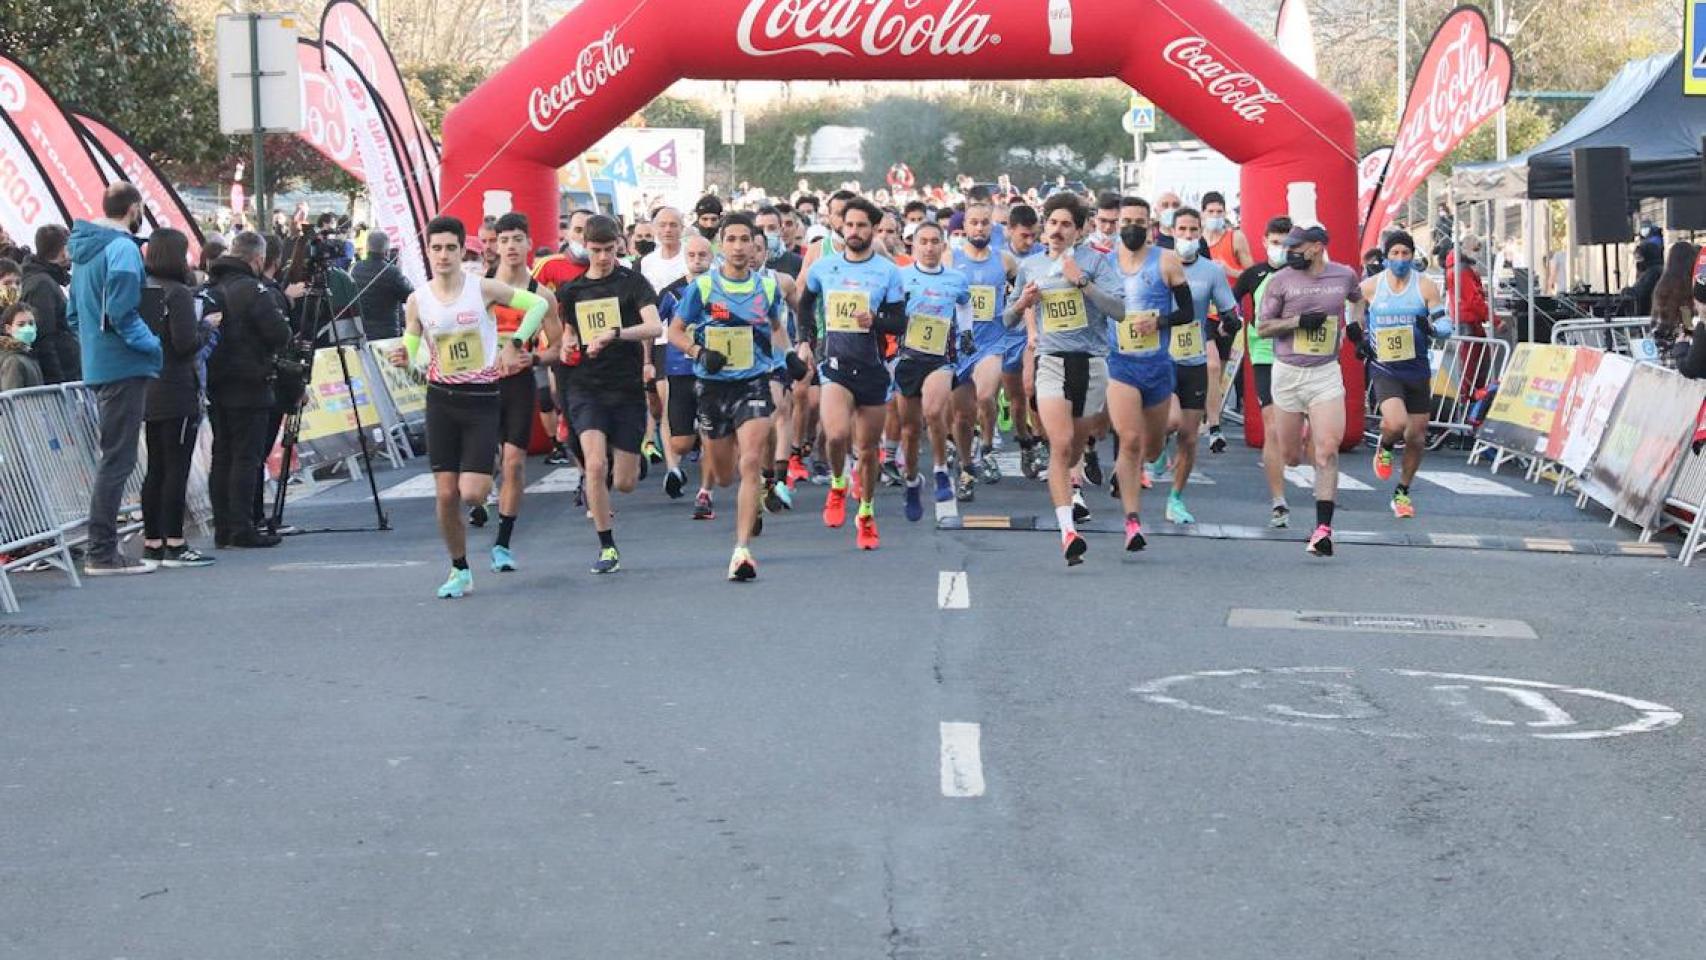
x: 382, y: 289
x: 241, y: 373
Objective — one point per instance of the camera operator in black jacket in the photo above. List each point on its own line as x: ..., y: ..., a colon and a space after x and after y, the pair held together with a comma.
x: 383, y: 289
x: 240, y: 378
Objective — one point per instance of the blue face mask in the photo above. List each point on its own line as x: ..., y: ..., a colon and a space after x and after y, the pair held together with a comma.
x: 773, y: 242
x: 1400, y: 268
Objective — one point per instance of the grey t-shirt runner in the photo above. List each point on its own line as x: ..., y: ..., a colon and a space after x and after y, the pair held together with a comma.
x: 1293, y: 293
x: 1067, y: 320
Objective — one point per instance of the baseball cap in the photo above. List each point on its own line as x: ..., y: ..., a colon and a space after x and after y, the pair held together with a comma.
x: 1302, y: 235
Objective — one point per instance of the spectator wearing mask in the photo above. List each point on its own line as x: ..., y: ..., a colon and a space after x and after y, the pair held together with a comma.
x: 119, y: 356
x: 11, y: 281
x: 46, y: 275
x: 1649, y: 266
x: 172, y: 414
x: 18, y: 366
x: 707, y: 213
x: 240, y: 374
x: 1468, y: 305
x: 383, y: 289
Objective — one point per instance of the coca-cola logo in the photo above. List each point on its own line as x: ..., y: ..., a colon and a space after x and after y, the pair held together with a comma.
x: 873, y: 28
x: 1248, y: 97
x: 597, y: 64
x: 12, y: 97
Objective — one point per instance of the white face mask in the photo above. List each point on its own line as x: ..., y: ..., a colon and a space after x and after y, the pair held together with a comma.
x: 1189, y: 252
x: 1276, y: 254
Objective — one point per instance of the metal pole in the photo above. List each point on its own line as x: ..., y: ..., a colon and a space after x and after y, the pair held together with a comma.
x: 259, y: 134
x: 1403, y: 54
x: 526, y: 23
x: 1499, y: 29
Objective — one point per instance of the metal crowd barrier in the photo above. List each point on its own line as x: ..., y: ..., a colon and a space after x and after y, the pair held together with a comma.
x: 1685, y: 507
x: 1613, y: 335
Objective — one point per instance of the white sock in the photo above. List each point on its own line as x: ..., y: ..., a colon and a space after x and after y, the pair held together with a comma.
x: 1063, y: 515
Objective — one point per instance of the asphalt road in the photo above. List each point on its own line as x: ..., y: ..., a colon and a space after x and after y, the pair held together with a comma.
x: 300, y: 754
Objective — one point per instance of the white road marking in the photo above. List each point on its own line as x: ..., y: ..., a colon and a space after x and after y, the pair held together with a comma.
x: 1468, y: 484
x: 947, y: 508
x: 1551, y: 714
x: 560, y: 480
x: 1303, y: 476
x: 299, y: 493
x: 952, y: 590
x: 415, y: 488
x: 962, y: 760
x: 1456, y: 696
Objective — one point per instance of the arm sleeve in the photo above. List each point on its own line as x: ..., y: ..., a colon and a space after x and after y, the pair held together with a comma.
x: 534, y: 317
x: 891, y: 318
x: 808, y: 314
x: 1184, y: 308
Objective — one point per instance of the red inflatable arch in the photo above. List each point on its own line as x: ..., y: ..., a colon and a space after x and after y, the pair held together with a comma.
x: 606, y: 59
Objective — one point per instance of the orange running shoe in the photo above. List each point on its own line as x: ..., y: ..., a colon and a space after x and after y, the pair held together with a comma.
x: 797, y: 470
x: 867, y: 527
x: 1382, y: 463
x: 835, y: 508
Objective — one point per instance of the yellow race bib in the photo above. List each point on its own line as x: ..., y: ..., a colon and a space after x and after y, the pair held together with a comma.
x: 595, y: 317
x: 982, y: 303
x: 1187, y: 341
x: 839, y: 308
x: 735, y: 343
x: 1131, y: 340
x: 1316, y: 343
x: 460, y: 352
x: 1063, y: 310
x: 927, y: 334
x: 1395, y: 344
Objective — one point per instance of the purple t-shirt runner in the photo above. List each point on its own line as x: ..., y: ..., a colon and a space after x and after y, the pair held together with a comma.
x: 1293, y: 293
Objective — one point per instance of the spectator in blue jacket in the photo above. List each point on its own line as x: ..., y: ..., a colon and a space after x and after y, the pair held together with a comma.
x: 120, y: 356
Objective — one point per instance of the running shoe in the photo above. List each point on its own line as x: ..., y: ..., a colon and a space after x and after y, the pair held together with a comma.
x: 890, y: 472
x: 1148, y: 477
x: 1402, y: 508
x: 772, y: 500
x: 1114, y: 486
x: 988, y: 471
x: 477, y: 515
x: 797, y: 470
x: 184, y: 556
x: 580, y: 496
x: 1093, y: 466
x: 1074, y: 548
x: 1028, y: 462
x: 784, y: 495
x: 820, y: 472
x: 742, y: 567
x: 945, y: 487
x: 1321, y: 541
x: 835, y: 508
x: 558, y: 457
x: 651, y: 451
x: 1280, y: 518
x: 502, y: 560
x: 914, y: 499
x: 1134, y: 540
x: 1382, y: 463
x: 609, y: 561
x: 1043, y: 457
x: 966, y: 488
x: 1080, y: 509
x: 460, y: 584
x: 702, y: 509
x: 1176, y: 512
x: 1216, y: 440
x: 673, y: 482
x: 867, y: 527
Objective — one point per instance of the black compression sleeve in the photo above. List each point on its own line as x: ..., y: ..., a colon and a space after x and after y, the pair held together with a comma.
x: 808, y: 316
x: 891, y: 319
x: 1184, y: 311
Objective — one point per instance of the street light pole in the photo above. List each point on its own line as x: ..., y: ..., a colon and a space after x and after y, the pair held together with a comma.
x: 1403, y: 54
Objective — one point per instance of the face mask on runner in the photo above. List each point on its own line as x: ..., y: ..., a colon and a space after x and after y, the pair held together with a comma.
x: 644, y: 247
x: 1276, y: 254
x: 1400, y: 268
x: 1189, y: 252
x: 578, y: 250
x: 1214, y: 224
x: 709, y: 233
x: 1296, y: 260
x: 1167, y: 217
x: 978, y: 242
x: 1134, y: 237
x: 773, y: 243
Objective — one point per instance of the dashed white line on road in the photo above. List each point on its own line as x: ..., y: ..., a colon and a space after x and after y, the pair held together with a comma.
x: 1468, y: 484
x: 414, y: 488
x: 346, y: 565
x: 962, y: 760
x: 953, y: 592
x: 560, y: 480
x: 1304, y: 476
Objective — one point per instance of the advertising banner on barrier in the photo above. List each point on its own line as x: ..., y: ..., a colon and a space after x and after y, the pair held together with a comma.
x: 1526, y: 409
x: 1644, y: 443
x: 164, y: 208
x: 406, y: 386
x: 1589, y: 410
x: 328, y: 416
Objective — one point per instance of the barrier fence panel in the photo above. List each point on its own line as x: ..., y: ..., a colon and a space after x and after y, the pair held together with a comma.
x: 1462, y: 366
x: 1685, y: 506
x: 1616, y: 335
x: 41, y: 467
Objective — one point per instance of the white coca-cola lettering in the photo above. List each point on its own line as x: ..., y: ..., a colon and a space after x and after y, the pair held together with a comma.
x: 1461, y: 92
x: 596, y: 65
x: 1248, y: 97
x: 873, y: 28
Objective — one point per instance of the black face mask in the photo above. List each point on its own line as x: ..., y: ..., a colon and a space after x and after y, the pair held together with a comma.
x: 709, y: 233
x: 644, y: 247
x: 1373, y: 268
x: 1296, y: 260
x: 1134, y: 237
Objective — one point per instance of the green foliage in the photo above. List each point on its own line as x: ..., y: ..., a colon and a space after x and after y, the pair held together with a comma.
x: 436, y: 87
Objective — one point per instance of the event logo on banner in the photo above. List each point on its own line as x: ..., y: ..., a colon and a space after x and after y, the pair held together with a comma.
x: 328, y: 414
x: 1530, y: 392
x: 27, y: 200
x: 1464, y: 79
x: 388, y: 188
x: 323, y: 124
x: 1639, y: 454
x: 596, y: 65
x: 1369, y: 169
x: 955, y: 28
x: 1584, y: 420
x: 347, y: 26
x: 163, y: 205
x: 1248, y: 97
x: 52, y: 144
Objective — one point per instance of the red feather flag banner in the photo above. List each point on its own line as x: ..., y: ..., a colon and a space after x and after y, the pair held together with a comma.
x: 324, y: 126
x: 47, y: 174
x: 1369, y: 169
x: 125, y: 161
x: 1465, y: 77
x: 348, y: 27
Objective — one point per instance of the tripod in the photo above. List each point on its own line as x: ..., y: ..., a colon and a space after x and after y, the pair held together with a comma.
x: 317, y: 304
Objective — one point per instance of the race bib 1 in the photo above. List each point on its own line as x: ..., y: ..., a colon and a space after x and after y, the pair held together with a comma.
x: 1316, y: 343
x: 1063, y: 311
x: 841, y: 305
x: 1395, y: 344
x: 460, y: 352
x: 734, y: 343
x: 1131, y: 340
x: 927, y: 334
x: 595, y: 317
x: 982, y: 303
x: 1187, y: 341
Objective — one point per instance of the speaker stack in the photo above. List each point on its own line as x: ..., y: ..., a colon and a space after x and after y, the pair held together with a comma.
x: 1601, y: 180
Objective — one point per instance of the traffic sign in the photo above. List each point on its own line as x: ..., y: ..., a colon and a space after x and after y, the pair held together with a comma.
x: 1694, y: 47
x: 1140, y: 117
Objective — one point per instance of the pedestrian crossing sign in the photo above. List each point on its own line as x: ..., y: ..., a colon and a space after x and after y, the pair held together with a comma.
x: 1694, y: 48
x: 1140, y: 116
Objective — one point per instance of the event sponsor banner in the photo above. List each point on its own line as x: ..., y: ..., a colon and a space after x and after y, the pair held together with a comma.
x: 1591, y: 411
x: 1295, y: 35
x: 1526, y: 409
x: 1369, y: 169
x: 388, y: 186
x: 328, y: 415
x: 323, y: 124
x: 164, y: 208
x: 407, y: 386
x: 665, y: 165
x: 1577, y: 386
x: 46, y: 173
x: 1464, y: 78
x: 1644, y: 443
x: 347, y: 26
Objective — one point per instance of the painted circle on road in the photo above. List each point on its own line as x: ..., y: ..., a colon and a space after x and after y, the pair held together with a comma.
x: 1409, y: 704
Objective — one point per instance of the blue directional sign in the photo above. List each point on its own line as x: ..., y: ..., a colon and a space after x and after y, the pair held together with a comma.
x: 1694, y: 48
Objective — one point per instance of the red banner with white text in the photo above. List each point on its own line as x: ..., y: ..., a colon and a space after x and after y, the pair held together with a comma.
x: 323, y: 124
x: 347, y: 26
x: 162, y: 205
x: 47, y: 175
